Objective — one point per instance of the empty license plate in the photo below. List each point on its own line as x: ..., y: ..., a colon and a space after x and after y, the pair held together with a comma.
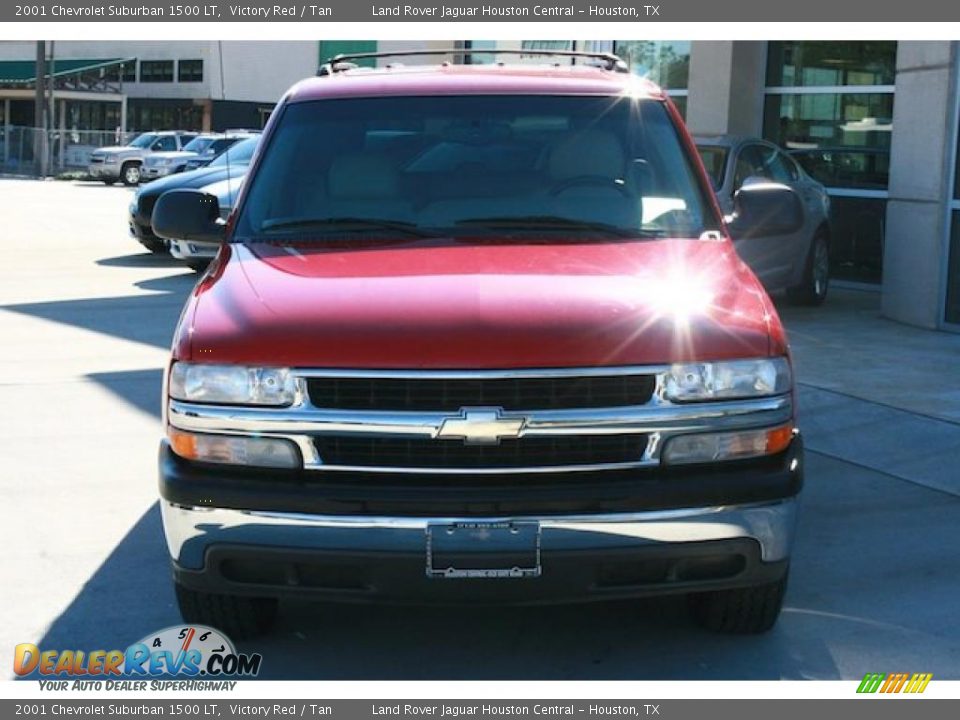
x: 483, y: 550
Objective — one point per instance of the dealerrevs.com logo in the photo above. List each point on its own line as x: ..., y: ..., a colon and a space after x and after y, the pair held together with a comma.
x: 192, y: 651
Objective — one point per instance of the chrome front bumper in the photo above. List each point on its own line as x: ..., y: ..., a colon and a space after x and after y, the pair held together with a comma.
x: 191, y: 531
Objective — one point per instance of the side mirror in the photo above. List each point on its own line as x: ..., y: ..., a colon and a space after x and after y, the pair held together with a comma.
x: 765, y: 209
x: 188, y: 215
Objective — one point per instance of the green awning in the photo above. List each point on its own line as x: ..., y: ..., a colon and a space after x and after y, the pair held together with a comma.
x: 24, y: 72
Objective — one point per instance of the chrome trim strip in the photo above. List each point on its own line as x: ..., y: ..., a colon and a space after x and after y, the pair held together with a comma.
x: 636, y: 419
x: 771, y: 524
x: 505, y: 373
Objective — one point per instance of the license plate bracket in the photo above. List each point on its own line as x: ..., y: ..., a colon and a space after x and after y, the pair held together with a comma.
x: 508, y: 549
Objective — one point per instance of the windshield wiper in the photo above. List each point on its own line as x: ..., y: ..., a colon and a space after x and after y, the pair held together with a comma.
x: 557, y: 222
x: 344, y: 223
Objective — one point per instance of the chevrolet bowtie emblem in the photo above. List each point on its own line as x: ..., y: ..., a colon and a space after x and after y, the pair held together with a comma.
x: 481, y: 426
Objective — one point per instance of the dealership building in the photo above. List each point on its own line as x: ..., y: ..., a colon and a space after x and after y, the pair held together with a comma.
x: 875, y: 121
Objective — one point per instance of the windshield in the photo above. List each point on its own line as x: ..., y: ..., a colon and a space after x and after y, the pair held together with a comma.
x: 239, y: 154
x: 142, y: 141
x: 475, y: 164
x: 715, y: 161
x: 198, y: 145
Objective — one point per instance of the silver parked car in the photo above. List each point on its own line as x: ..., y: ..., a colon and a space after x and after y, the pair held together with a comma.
x: 797, y: 261
x: 125, y: 162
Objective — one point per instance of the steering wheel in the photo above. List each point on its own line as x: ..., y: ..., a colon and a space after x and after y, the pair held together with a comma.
x: 594, y: 180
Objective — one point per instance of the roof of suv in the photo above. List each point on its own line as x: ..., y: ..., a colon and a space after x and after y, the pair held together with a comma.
x: 473, y: 80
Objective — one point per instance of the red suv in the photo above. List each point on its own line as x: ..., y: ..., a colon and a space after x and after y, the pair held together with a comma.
x: 477, y: 333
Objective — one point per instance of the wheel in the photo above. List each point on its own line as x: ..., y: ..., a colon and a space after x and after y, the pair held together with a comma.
x: 158, y: 246
x: 108, y: 181
x: 238, y: 616
x: 130, y: 174
x: 741, y: 611
x: 197, y: 265
x: 816, y: 274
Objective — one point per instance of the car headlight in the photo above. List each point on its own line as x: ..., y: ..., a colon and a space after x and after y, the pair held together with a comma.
x: 729, y: 380
x: 111, y: 160
x: 232, y: 384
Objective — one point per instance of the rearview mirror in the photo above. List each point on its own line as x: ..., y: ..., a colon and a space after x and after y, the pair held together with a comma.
x: 764, y: 209
x: 188, y: 215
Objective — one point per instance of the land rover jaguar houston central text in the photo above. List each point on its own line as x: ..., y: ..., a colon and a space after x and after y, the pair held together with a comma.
x: 478, y: 333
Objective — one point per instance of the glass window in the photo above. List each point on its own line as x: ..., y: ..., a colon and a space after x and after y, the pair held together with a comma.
x: 714, y: 159
x: 165, y: 143
x: 749, y: 164
x: 128, y: 71
x: 190, y: 71
x: 841, y: 139
x: 156, y: 71
x: 952, y: 314
x: 239, y: 154
x: 665, y: 62
x: 773, y: 165
x: 502, y: 165
x: 796, y: 63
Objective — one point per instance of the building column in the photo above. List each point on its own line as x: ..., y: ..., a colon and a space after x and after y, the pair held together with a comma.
x: 921, y: 165
x: 725, y: 94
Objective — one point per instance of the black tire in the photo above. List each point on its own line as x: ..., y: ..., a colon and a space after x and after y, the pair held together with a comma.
x: 740, y: 611
x: 238, y: 616
x: 197, y: 265
x: 158, y: 246
x: 130, y: 173
x: 816, y: 274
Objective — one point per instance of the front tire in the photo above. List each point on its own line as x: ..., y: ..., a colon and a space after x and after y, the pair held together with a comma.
x: 740, y: 611
x: 816, y: 274
x: 130, y: 174
x: 238, y: 616
x: 158, y: 246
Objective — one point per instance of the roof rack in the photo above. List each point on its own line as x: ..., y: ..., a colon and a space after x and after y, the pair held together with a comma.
x: 345, y: 61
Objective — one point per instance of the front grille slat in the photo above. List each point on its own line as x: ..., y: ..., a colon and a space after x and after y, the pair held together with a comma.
x: 529, y: 452
x: 450, y: 395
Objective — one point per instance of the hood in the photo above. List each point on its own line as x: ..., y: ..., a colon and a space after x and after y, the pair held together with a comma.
x: 455, y: 305
x: 194, y: 179
x: 115, y: 150
x: 170, y: 155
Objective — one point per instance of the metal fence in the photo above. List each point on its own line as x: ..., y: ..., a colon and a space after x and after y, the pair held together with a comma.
x: 24, y: 150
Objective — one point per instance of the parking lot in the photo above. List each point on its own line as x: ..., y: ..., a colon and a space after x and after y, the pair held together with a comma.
x: 86, y: 318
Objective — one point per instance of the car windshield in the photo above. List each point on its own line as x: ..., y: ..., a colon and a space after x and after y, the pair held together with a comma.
x: 143, y: 141
x: 198, y: 145
x: 239, y: 154
x: 475, y: 165
x: 715, y: 161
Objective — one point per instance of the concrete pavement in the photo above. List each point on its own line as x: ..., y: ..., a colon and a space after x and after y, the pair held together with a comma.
x: 86, y: 319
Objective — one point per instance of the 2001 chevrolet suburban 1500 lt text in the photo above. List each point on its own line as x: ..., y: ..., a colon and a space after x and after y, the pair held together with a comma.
x: 478, y: 333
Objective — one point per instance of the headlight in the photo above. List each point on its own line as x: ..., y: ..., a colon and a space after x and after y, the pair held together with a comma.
x: 111, y: 160
x: 235, y: 449
x: 232, y: 384
x: 711, y: 447
x: 731, y: 380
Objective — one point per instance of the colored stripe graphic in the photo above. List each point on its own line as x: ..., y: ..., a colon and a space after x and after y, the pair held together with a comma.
x: 871, y: 682
x: 894, y: 683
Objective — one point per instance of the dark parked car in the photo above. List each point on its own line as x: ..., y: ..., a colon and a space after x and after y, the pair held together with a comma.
x: 798, y: 261
x: 232, y: 163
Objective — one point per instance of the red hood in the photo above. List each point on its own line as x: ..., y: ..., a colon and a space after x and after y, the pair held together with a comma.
x: 479, y: 305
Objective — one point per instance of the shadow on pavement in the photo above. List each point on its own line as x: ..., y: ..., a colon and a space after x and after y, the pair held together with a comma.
x: 143, y: 318
x: 144, y: 259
